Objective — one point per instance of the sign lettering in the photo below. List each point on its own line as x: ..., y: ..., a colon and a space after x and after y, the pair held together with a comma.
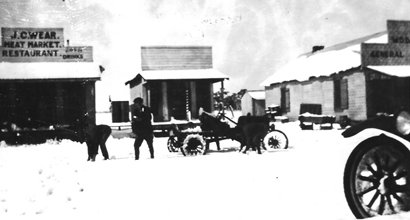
x: 385, y: 54
x: 40, y: 45
x: 398, y: 32
x: 395, y: 52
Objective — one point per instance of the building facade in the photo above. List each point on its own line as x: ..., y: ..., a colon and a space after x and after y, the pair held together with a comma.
x: 176, y: 81
x: 358, y: 79
x: 44, y: 82
x: 253, y: 102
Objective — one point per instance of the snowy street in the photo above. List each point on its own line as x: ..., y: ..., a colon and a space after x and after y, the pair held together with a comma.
x: 54, y: 181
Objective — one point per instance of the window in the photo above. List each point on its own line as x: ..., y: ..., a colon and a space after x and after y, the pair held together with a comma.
x: 285, y: 99
x: 341, y: 94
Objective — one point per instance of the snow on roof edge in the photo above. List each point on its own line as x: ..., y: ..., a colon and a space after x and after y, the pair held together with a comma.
x: 258, y: 94
x: 328, y: 60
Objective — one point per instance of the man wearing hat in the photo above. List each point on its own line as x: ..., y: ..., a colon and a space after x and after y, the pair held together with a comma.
x: 142, y: 127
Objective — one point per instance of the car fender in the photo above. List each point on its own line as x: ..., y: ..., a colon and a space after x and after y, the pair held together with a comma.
x: 374, y: 132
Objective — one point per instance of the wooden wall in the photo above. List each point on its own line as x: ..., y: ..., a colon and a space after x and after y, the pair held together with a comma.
x: 252, y: 106
x: 321, y: 91
x: 176, y: 58
x: 357, y: 97
x: 137, y: 91
x: 272, y: 95
x: 247, y: 104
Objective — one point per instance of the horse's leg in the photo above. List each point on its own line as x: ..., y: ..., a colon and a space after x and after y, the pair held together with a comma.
x: 248, y: 144
x: 93, y: 157
x: 103, y: 147
x: 262, y: 140
x: 257, y: 143
x: 104, y: 151
x: 218, y: 146
x: 241, y: 147
x: 89, y: 150
x: 243, y: 143
x: 94, y: 150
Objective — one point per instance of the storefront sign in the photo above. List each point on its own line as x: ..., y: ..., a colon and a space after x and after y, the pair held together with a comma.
x: 395, y: 52
x: 385, y: 54
x: 40, y: 45
x: 398, y: 32
x: 78, y: 53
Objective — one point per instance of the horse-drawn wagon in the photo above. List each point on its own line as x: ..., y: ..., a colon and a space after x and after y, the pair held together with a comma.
x: 250, y: 131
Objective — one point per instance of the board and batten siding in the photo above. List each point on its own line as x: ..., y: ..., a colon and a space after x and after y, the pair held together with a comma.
x: 137, y: 91
x: 252, y: 106
x: 318, y: 92
x: 272, y: 95
x: 357, y: 109
x: 322, y: 92
x: 296, y: 97
x: 176, y: 57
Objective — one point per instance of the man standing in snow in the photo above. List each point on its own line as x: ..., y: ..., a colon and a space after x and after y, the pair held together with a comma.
x: 142, y: 127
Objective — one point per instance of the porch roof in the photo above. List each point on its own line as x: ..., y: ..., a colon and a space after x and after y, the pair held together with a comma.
x: 191, y: 74
x: 49, y: 70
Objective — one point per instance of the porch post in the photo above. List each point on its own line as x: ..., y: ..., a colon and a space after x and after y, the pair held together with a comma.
x: 194, y: 105
x: 164, y: 90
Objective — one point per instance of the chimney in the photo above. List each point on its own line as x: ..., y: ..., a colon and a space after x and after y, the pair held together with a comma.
x: 317, y: 48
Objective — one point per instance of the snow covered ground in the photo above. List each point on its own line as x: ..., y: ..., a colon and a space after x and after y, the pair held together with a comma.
x: 54, y: 181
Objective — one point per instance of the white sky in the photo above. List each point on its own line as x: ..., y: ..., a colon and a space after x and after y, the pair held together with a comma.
x: 250, y: 39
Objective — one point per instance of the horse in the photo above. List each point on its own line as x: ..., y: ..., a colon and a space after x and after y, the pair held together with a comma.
x: 249, y: 131
x: 95, y: 136
x: 253, y: 130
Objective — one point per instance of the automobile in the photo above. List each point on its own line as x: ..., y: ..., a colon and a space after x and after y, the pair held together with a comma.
x: 376, y: 175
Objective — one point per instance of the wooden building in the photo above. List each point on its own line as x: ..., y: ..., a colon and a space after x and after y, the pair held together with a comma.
x: 357, y: 79
x: 47, y: 84
x: 253, y: 102
x: 176, y: 81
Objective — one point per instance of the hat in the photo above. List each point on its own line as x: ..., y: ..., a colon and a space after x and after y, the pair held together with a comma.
x: 138, y: 100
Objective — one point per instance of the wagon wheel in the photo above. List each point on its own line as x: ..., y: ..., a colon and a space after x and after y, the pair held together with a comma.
x: 194, y: 144
x: 275, y: 140
x: 172, y: 144
x: 377, y: 178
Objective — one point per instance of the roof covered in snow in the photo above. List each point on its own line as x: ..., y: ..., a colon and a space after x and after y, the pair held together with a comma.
x: 258, y: 95
x: 49, y: 70
x: 192, y: 74
x: 400, y: 71
x: 325, y: 62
